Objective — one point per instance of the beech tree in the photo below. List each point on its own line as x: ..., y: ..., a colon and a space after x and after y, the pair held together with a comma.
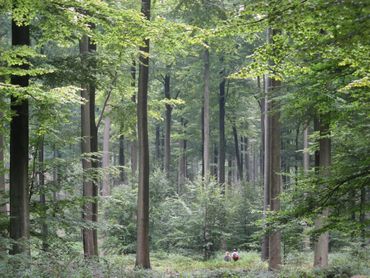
x: 18, y: 177
x: 142, y: 250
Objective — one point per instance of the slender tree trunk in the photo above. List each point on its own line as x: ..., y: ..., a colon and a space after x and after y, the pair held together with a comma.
x: 88, y: 146
x: 142, y: 251
x: 206, y: 156
x: 202, y: 134
x: 222, y: 139
x: 306, y: 169
x: 106, y: 157
x: 262, y: 119
x: 215, y: 161
x: 237, y: 154
x: 94, y: 148
x: 44, y: 226
x: 182, y: 160
x: 246, y: 159
x: 306, y: 155
x: 266, y: 167
x: 157, y: 143
x: 133, y: 146
x: 321, y: 245
x: 229, y: 172
x: 3, y: 210
x: 18, y: 176
x: 167, y: 137
x: 363, y: 216
x: 275, y: 178
x: 122, y: 158
x: 2, y: 169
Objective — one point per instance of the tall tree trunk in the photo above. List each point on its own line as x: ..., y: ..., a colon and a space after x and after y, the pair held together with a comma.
x: 272, y: 163
x: 222, y: 139
x: 306, y: 155
x: 206, y: 156
x: 229, y: 172
x: 321, y: 245
x: 266, y: 167
x: 246, y: 159
x: 133, y: 146
x: 88, y: 145
x: 182, y: 159
x: 94, y: 148
x: 106, y: 156
x: 237, y: 154
x: 262, y: 119
x: 215, y: 161
x: 202, y: 134
x: 167, y: 137
x: 158, y: 143
x: 2, y: 168
x: 18, y: 176
x: 275, y: 178
x: 306, y: 168
x: 122, y: 158
x: 142, y: 251
x: 44, y: 226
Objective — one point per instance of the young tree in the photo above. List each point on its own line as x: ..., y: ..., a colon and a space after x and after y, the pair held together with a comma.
x: 142, y: 249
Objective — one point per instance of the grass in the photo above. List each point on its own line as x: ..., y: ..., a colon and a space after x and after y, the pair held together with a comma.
x: 168, y: 265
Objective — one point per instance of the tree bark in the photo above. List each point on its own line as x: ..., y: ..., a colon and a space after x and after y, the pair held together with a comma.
x: 237, y: 154
x: 206, y: 156
x: 246, y: 159
x: 44, y: 226
x: 105, y: 163
x: 2, y: 168
x: 142, y: 251
x: 306, y: 155
x: 262, y: 119
x: 321, y: 245
x: 266, y: 167
x: 275, y: 178
x: 272, y: 166
x: 122, y: 159
x: 87, y: 146
x: 306, y: 168
x: 222, y: 139
x: 133, y: 146
x: 19, y: 192
x: 167, y: 137
x: 182, y: 160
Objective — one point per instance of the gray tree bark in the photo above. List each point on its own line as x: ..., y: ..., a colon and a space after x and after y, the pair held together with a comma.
x: 142, y: 250
x: 222, y: 139
x: 206, y: 142
x: 167, y: 130
x: 133, y: 146
x: 106, y: 155
x: 321, y: 245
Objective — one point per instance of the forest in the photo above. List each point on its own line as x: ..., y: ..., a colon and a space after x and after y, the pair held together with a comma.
x: 153, y: 138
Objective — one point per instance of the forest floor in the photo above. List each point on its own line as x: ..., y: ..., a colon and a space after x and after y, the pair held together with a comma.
x: 295, y: 265
x: 345, y: 263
